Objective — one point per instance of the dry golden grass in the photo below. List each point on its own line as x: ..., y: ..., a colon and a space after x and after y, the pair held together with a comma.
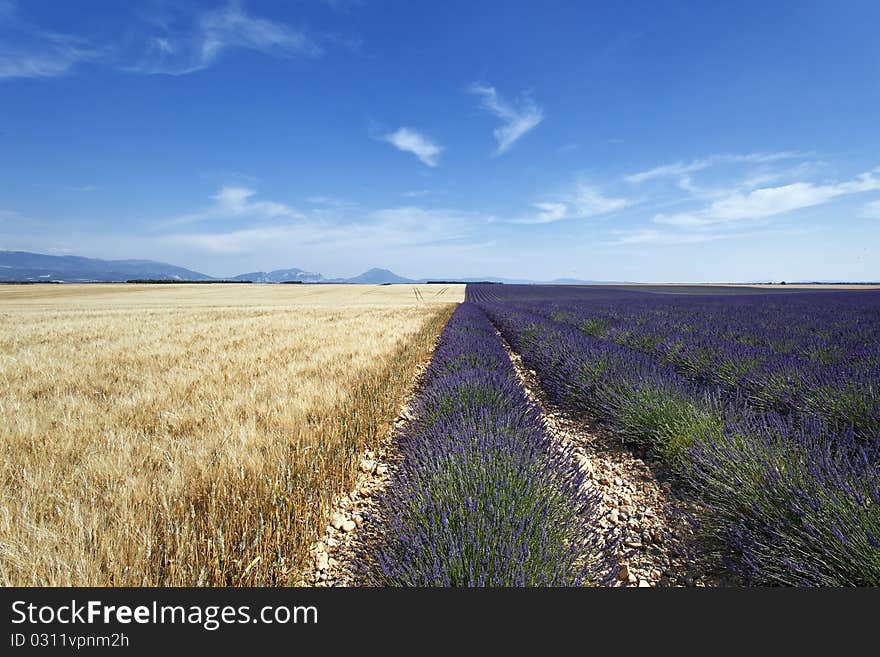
x: 192, y: 434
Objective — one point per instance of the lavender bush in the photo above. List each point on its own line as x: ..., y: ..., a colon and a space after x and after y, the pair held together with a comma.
x: 798, y: 503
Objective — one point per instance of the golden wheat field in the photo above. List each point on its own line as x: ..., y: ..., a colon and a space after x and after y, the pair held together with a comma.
x: 193, y: 434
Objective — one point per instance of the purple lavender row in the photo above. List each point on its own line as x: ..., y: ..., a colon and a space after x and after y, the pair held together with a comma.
x: 482, y: 497
x: 793, y: 501
x: 809, y: 354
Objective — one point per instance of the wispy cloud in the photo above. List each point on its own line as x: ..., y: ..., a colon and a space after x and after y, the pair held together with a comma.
x: 667, y: 237
x: 582, y: 202
x: 764, y: 175
x: 412, y: 141
x: 196, y: 46
x: 518, y: 119
x: 547, y: 213
x: 236, y: 203
x: 329, y: 201
x: 678, y: 169
x: 769, y: 201
x: 179, y: 43
x: 269, y: 224
x: 27, y: 51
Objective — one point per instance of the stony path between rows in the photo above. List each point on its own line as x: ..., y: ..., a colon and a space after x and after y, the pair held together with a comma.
x: 643, y: 522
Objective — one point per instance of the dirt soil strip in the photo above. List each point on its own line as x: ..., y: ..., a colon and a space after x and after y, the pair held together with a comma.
x: 642, y: 517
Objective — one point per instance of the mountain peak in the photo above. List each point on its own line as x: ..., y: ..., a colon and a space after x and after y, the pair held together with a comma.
x: 281, y: 276
x: 377, y: 275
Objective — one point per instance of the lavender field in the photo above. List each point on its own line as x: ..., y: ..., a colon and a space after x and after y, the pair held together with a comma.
x: 763, y: 407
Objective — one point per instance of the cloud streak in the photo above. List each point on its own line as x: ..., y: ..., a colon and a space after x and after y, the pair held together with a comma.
x: 238, y: 222
x: 199, y: 46
x: 178, y: 44
x: 769, y: 201
x: 518, y: 119
x: 412, y: 141
x: 232, y: 202
x: 679, y: 169
x: 29, y: 52
x: 583, y: 202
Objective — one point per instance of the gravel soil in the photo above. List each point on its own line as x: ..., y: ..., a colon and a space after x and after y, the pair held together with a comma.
x: 645, y: 523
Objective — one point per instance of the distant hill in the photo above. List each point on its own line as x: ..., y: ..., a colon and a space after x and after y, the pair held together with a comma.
x: 377, y: 276
x: 36, y: 267
x: 281, y: 276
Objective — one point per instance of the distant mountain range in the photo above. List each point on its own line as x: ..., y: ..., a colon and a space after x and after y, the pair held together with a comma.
x: 280, y: 276
x: 22, y: 266
x: 36, y: 267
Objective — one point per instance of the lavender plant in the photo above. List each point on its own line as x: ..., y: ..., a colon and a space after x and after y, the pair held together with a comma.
x: 793, y: 503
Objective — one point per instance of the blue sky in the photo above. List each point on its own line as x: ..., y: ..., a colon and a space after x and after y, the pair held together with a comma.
x: 656, y: 141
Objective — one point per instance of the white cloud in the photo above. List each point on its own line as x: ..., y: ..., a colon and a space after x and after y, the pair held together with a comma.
x: 411, y: 141
x: 330, y: 202
x: 769, y: 201
x: 582, y: 202
x: 588, y: 201
x: 164, y: 45
x: 236, y: 203
x: 762, y: 175
x: 547, y: 213
x: 390, y: 229
x: 765, y: 175
x: 179, y: 52
x: 180, y: 43
x: 678, y: 169
x: 259, y: 225
x: 233, y: 200
x: 231, y: 27
x: 37, y: 54
x: 517, y: 120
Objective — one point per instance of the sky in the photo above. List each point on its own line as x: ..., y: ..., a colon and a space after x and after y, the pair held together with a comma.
x: 639, y: 141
